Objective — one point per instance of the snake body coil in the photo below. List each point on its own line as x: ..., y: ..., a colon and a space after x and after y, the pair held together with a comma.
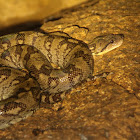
x: 34, y: 63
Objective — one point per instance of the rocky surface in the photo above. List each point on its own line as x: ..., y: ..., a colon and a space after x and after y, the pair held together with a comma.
x: 105, y: 108
x: 29, y: 13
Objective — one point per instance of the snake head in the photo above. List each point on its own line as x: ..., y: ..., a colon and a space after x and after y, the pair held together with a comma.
x: 104, y: 44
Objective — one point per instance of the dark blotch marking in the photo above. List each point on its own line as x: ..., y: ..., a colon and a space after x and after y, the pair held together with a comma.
x: 45, y: 70
x: 5, y: 54
x: 51, y: 79
x: 20, y: 36
x: 5, y: 71
x: 30, y: 50
x: 86, y: 57
x: 35, y: 72
x: 19, y: 50
x: 72, y: 73
x: 94, y: 46
x: 49, y: 39
x: 12, y: 105
x: 57, y: 97
x: 4, y: 41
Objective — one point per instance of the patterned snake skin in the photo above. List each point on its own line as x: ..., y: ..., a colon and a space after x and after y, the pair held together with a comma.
x: 33, y: 64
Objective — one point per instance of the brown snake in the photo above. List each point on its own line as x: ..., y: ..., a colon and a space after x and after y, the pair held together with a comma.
x: 34, y: 64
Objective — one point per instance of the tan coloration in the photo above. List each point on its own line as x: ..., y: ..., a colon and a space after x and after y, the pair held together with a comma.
x: 35, y: 52
x: 104, y: 44
x: 29, y: 11
x: 106, y: 108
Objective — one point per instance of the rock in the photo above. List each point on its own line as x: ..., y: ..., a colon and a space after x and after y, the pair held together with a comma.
x: 105, y: 108
x: 29, y: 13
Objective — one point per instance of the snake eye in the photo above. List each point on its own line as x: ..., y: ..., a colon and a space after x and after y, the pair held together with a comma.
x: 112, y: 41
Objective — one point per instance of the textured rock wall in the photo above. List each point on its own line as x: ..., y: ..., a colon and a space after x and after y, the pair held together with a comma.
x: 106, y: 108
x: 18, y: 11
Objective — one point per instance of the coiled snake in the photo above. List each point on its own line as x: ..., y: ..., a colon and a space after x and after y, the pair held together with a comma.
x: 34, y: 64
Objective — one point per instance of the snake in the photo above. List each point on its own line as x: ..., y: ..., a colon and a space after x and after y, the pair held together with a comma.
x: 37, y: 66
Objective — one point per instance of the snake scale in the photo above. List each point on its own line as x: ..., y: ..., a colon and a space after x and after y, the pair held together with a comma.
x: 34, y: 63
